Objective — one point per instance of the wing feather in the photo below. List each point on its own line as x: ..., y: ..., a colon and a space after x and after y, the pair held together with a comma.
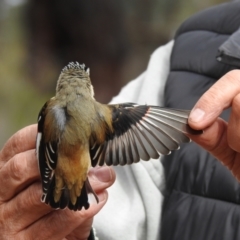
x: 124, y: 150
x: 135, y: 154
x: 46, y: 155
x: 158, y: 138
x: 128, y: 150
x: 142, y: 152
x: 109, y: 152
x: 142, y: 132
x: 101, y: 160
x: 115, y: 156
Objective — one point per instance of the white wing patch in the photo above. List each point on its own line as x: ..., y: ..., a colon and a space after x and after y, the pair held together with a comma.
x: 60, y: 117
x: 39, y: 137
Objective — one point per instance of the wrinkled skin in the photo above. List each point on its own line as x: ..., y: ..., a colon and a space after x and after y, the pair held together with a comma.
x: 220, y: 138
x: 22, y: 214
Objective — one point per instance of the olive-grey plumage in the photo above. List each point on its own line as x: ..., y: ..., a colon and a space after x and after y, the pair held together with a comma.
x: 76, y: 132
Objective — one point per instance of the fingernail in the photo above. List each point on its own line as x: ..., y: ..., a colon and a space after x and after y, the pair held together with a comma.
x: 103, y: 174
x: 196, y: 115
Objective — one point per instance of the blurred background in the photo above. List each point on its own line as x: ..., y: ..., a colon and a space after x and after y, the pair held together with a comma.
x: 114, y: 38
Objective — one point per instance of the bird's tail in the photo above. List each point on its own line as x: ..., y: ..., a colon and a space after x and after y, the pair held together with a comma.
x: 64, y: 201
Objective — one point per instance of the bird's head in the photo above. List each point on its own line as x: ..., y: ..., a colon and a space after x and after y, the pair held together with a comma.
x: 75, y: 76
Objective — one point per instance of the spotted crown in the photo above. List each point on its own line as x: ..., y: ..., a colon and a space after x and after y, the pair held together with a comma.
x: 76, y: 66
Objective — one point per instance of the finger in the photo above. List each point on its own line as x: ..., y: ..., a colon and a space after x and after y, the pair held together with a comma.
x: 60, y: 223
x: 234, y: 125
x: 217, y: 98
x: 21, y: 141
x: 27, y: 204
x: 17, y: 174
x: 82, y: 232
x: 24, y: 209
x: 101, y: 177
x: 214, y: 140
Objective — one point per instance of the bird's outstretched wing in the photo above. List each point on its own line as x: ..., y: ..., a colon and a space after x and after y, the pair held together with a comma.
x: 141, y: 132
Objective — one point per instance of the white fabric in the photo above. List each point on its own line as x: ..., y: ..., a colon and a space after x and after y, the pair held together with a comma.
x: 133, y: 209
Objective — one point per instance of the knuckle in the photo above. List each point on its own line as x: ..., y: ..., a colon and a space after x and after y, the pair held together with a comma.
x: 16, y: 141
x: 34, y: 197
x: 18, y: 167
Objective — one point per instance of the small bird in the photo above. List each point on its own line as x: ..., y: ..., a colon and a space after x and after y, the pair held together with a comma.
x: 76, y: 132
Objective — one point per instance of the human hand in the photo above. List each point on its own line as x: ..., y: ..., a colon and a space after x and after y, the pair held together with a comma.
x: 220, y: 138
x: 22, y: 214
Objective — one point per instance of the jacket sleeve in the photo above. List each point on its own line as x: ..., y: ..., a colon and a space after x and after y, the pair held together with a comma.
x: 229, y: 51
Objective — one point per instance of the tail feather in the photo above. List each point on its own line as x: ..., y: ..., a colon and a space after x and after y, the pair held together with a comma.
x: 82, y: 200
x: 48, y: 198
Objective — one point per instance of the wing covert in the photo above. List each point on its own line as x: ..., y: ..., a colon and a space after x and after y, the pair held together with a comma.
x: 46, y: 154
x: 141, y: 132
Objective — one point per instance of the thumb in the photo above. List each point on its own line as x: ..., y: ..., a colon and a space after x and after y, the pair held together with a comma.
x: 215, y: 100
